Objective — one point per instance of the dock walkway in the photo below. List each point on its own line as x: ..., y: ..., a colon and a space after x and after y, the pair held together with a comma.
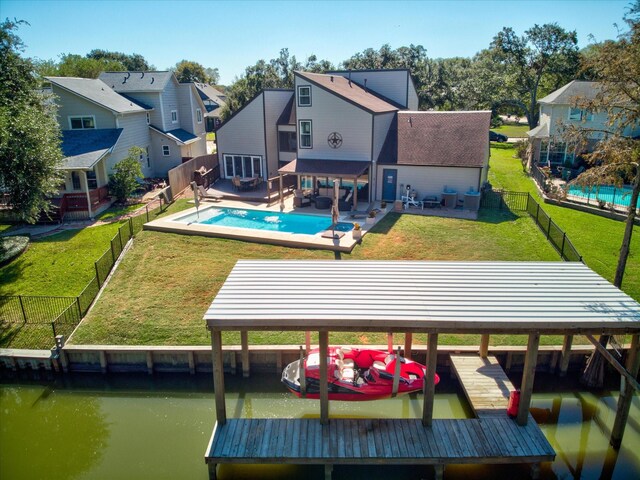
x: 485, y: 384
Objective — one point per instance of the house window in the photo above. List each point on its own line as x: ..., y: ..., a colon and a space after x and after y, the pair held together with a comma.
x: 575, y: 114
x: 243, y: 166
x: 148, y: 118
x: 92, y: 181
x: 82, y: 123
x: 174, y: 116
x: 199, y: 115
x: 287, y: 141
x: 75, y: 180
x: 165, y: 150
x: 304, y: 96
x: 305, y: 133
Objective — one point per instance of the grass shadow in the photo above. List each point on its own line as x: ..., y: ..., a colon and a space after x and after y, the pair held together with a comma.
x: 386, y: 224
x: 487, y: 215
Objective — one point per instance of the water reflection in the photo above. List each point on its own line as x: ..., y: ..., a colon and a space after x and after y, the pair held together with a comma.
x: 138, y: 426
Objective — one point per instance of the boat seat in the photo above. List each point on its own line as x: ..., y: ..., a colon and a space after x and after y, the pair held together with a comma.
x: 348, y: 362
x: 379, y: 365
x: 348, y: 374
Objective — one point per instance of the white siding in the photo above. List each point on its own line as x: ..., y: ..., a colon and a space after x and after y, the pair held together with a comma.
x: 432, y: 180
x: 389, y: 83
x: 328, y: 114
x: 274, y: 103
x: 152, y: 99
x: 161, y: 164
x: 135, y: 132
x: 170, y: 102
x: 381, y: 124
x: 73, y: 105
x: 413, y: 102
x: 244, y: 133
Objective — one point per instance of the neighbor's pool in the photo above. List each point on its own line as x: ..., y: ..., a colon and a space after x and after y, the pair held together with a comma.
x: 608, y: 194
x: 264, y: 220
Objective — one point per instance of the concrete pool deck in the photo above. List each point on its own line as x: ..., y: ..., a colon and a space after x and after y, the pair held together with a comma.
x: 345, y: 243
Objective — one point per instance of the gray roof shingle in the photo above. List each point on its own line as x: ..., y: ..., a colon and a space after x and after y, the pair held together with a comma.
x: 566, y: 95
x: 98, y: 92
x: 83, y: 148
x: 441, y: 139
x: 136, y: 81
x: 178, y: 135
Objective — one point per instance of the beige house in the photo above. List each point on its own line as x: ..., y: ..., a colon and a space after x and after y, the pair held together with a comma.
x: 352, y: 126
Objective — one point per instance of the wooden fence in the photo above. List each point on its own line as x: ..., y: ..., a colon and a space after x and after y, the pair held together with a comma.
x: 181, y: 176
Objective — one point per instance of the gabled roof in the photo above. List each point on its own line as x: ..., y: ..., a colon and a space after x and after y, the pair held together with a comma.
x: 84, y: 148
x: 98, y: 92
x: 567, y: 94
x: 207, y: 92
x: 325, y: 168
x: 351, y: 92
x: 177, y: 135
x: 136, y: 81
x: 442, y: 139
x: 541, y: 131
x: 288, y: 116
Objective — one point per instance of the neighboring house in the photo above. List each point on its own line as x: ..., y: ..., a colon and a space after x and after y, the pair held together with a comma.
x: 101, y: 119
x: 176, y: 120
x: 361, y: 127
x: 557, y: 109
x: 213, y: 101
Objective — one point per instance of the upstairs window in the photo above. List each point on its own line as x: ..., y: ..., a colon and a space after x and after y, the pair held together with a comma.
x: 304, y: 96
x: 174, y: 116
x: 305, y: 134
x: 288, y: 141
x: 148, y: 119
x: 579, y: 114
x: 198, y: 115
x: 165, y: 150
x: 82, y: 123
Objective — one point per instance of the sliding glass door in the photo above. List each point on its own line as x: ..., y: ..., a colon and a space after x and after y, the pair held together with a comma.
x: 243, y: 166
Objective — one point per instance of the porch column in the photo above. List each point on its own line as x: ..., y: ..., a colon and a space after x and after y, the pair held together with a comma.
x: 218, y: 376
x: 281, y: 192
x: 324, y: 381
x: 526, y: 388
x: 355, y: 193
x: 429, y: 381
x: 566, y: 354
x: 408, y: 344
x: 86, y: 189
x: 624, y: 401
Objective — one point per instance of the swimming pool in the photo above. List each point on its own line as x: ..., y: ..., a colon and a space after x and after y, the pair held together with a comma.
x: 608, y: 194
x: 264, y: 220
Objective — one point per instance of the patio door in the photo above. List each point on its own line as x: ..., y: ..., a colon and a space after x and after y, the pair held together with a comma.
x: 389, y: 184
x: 243, y: 166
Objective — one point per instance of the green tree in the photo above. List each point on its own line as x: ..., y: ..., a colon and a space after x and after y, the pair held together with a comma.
x: 123, y: 180
x: 544, y: 55
x: 189, y: 71
x: 616, y: 159
x: 29, y: 132
x: 134, y: 62
x: 72, y: 65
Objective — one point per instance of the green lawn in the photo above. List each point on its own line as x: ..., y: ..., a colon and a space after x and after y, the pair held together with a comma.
x: 60, y: 264
x: 211, y: 136
x: 165, y: 283
x: 596, y: 238
x: 513, y: 130
x: 114, y: 212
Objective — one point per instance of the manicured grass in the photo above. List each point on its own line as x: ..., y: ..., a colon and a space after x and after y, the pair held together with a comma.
x: 116, y: 211
x: 165, y: 283
x: 60, y: 264
x: 596, y: 238
x: 512, y: 130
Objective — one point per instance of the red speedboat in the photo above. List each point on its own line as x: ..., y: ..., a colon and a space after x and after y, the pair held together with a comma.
x: 355, y: 374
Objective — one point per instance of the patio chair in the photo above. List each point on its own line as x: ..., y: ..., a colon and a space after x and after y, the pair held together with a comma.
x: 431, y: 201
x: 299, y: 200
x: 208, y: 196
x: 237, y: 184
x: 345, y: 203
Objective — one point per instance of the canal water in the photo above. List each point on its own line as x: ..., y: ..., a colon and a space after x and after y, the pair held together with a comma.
x: 142, y: 427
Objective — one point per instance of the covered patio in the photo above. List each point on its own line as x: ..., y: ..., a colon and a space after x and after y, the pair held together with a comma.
x: 526, y: 298
x: 315, y: 176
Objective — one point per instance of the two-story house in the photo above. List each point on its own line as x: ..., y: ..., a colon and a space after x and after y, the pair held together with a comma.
x: 100, y: 123
x: 213, y: 100
x: 557, y: 110
x: 361, y: 127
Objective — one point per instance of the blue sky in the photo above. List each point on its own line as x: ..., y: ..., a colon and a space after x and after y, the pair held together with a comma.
x: 233, y: 35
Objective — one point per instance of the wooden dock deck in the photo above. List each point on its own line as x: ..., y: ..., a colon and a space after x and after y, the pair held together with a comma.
x: 485, y: 384
x: 490, y: 440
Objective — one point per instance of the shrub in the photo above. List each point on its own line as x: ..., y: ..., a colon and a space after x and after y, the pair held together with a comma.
x: 124, y: 181
x: 12, y: 247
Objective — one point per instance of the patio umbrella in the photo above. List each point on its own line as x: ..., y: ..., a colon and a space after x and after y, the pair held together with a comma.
x: 194, y: 187
x: 335, y: 213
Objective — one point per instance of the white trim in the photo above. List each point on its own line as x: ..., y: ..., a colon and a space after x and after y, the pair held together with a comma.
x: 300, y: 134
x: 167, y: 152
x: 242, y: 157
x: 164, y: 127
x: 177, y: 119
x: 93, y: 117
x: 299, y: 96
x: 198, y: 115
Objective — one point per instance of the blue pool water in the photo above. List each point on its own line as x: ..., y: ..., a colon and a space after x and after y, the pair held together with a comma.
x: 608, y: 194
x: 263, y: 220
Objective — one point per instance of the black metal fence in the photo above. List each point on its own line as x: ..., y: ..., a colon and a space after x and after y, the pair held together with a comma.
x: 36, y: 320
x: 525, y: 202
